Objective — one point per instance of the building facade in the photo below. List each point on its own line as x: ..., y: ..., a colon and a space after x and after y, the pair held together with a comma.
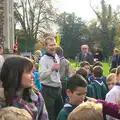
x: 8, y: 25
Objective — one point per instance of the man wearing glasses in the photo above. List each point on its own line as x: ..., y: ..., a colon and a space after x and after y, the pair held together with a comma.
x: 85, y: 55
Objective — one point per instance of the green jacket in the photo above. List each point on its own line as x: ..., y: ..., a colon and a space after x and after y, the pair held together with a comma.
x: 100, y: 90
x: 66, y: 110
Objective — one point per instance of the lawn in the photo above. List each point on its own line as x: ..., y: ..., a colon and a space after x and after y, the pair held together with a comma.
x: 105, y: 67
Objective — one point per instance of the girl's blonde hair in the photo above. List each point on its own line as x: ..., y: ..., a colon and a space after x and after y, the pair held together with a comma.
x: 87, y: 111
x: 13, y: 113
x: 110, y: 77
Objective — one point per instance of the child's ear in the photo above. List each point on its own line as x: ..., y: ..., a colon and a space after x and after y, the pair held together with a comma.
x: 68, y: 92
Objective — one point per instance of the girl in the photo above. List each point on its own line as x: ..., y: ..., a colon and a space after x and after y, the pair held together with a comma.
x: 17, y: 79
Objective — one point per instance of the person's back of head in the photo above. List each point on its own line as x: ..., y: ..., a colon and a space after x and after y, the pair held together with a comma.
x: 87, y: 111
x: 98, y: 71
x: 59, y: 51
x: 82, y: 71
x: 113, y: 70
x: 98, y: 63
x: 84, y: 63
x: 13, y: 113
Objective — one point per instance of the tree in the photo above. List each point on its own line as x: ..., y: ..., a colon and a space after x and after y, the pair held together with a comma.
x: 107, y: 31
x: 73, y: 33
x: 34, y: 16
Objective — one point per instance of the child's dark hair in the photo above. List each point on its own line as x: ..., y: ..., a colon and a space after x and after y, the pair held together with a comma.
x: 98, y: 63
x: 76, y: 81
x: 113, y: 70
x: 98, y: 71
x: 82, y: 71
x: 82, y: 64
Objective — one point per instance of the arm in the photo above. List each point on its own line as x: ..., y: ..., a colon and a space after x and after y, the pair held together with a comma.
x: 110, y: 108
x: 111, y: 97
x: 69, y: 69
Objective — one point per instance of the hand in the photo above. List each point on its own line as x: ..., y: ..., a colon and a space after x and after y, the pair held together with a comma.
x: 55, y: 67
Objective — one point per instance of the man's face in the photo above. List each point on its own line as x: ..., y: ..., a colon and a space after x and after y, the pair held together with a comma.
x: 85, y: 49
x: 50, y: 46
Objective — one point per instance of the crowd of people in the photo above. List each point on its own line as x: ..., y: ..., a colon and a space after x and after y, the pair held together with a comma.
x: 47, y: 88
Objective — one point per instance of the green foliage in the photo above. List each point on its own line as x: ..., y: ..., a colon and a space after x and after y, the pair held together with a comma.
x: 26, y: 43
x: 107, y: 31
x: 74, y: 33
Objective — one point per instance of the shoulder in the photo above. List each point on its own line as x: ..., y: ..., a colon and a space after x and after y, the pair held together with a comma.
x: 111, y: 92
x: 63, y: 114
x: 44, y: 59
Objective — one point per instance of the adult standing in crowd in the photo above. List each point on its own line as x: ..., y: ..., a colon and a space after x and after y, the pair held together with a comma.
x: 115, y: 59
x: 50, y: 79
x: 85, y: 55
x: 97, y: 55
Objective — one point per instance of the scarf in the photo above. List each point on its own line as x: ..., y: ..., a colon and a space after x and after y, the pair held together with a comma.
x: 36, y: 107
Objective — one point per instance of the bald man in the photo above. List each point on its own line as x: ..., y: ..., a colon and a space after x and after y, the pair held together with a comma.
x: 85, y: 55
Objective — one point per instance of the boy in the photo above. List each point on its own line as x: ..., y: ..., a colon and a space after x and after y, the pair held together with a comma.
x: 98, y: 85
x: 85, y: 65
x: 76, y: 91
x: 65, y: 70
x: 98, y: 63
x: 87, y: 111
x: 111, y: 80
x: 88, y: 68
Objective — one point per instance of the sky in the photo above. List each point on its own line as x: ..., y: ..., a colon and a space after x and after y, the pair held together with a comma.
x: 82, y: 7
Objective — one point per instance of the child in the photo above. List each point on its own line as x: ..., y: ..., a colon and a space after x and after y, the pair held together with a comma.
x: 17, y: 79
x: 83, y: 72
x: 98, y: 63
x: 13, y: 113
x: 88, y: 68
x: 65, y: 70
x: 76, y: 91
x: 113, y: 70
x: 111, y: 80
x: 99, y: 87
x: 85, y: 65
x: 87, y: 111
x: 114, y: 94
x: 36, y: 77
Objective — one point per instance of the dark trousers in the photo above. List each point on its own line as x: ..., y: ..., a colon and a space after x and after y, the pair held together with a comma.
x: 53, y: 101
x: 64, y: 86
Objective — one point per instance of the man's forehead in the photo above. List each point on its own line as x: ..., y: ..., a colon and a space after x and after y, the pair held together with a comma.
x: 84, y: 46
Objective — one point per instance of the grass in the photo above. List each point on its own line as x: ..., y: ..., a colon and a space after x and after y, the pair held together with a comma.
x: 105, y: 67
